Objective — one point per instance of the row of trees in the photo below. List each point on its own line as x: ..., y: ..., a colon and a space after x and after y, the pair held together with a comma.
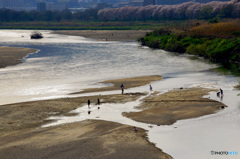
x: 7, y: 15
x: 190, y: 10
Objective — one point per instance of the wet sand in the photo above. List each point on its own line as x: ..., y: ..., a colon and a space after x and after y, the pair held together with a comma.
x: 87, y: 139
x: 106, y: 35
x: 34, y: 114
x: 175, y: 105
x: 22, y: 137
x: 127, y: 82
x: 13, y: 55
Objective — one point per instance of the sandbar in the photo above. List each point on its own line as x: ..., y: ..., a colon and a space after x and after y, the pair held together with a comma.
x: 81, y: 140
x: 166, y: 109
x: 22, y: 137
x: 13, y: 55
x: 106, y: 35
x: 128, y: 83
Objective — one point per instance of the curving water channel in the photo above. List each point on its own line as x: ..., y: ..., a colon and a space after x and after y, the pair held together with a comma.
x: 67, y: 64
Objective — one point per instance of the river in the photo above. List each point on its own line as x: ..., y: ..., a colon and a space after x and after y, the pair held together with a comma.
x: 67, y: 64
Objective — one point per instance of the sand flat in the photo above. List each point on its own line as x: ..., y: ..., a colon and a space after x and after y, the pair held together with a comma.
x: 106, y: 35
x: 13, y: 55
x: 87, y: 139
x: 21, y: 133
x: 166, y: 109
x: 128, y: 83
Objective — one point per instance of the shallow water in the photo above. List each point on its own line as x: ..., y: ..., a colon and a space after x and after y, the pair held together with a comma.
x: 186, y: 139
x: 67, y: 64
x: 197, y: 138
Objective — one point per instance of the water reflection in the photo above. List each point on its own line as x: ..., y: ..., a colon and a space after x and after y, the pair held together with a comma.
x: 67, y: 64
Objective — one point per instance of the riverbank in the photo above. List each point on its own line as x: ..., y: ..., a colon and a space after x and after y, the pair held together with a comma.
x: 13, y: 55
x: 106, y: 35
x: 220, y: 42
x: 22, y: 135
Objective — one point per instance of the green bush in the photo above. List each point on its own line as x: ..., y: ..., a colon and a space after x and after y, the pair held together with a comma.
x: 196, y: 50
x: 187, y: 41
x: 174, y: 45
x: 218, y: 49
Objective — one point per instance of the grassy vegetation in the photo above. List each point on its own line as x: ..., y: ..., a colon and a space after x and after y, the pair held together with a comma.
x: 99, y: 25
x: 220, y: 30
x: 123, y: 25
x: 218, y: 42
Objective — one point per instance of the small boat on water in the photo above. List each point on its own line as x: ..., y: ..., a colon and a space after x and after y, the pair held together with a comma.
x: 36, y: 35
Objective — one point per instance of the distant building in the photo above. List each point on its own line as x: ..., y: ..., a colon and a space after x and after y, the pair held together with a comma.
x: 207, y: 1
x: 149, y: 2
x: 30, y: 3
x: 41, y: 7
x: 57, y: 7
x: 18, y: 4
x: 11, y: 3
x: 173, y: 2
x: 136, y: 3
x: 72, y: 4
x: 44, y: 6
x: 123, y: 4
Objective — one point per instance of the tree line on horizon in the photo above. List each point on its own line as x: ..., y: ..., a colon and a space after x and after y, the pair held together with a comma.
x: 189, y: 10
x: 8, y: 15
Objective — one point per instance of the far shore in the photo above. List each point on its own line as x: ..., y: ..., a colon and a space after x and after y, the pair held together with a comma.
x: 106, y: 35
x: 13, y: 55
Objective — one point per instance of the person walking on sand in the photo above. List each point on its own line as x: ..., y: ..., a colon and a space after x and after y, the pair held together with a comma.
x: 89, y: 103
x: 221, y: 91
x: 98, y: 101
x: 122, y: 87
x: 135, y: 129
x: 150, y: 87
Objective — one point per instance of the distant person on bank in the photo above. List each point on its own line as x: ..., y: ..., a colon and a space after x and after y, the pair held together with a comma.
x: 122, y: 87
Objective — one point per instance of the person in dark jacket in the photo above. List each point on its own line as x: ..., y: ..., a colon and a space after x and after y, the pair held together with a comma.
x: 221, y: 91
x: 89, y: 103
x: 122, y: 87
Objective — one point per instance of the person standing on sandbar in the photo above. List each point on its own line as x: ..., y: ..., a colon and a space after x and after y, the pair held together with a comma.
x: 221, y: 91
x: 89, y: 103
x: 122, y: 87
x: 98, y: 103
x: 150, y: 88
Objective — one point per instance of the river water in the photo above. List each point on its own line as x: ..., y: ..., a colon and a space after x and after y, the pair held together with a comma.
x: 66, y: 64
